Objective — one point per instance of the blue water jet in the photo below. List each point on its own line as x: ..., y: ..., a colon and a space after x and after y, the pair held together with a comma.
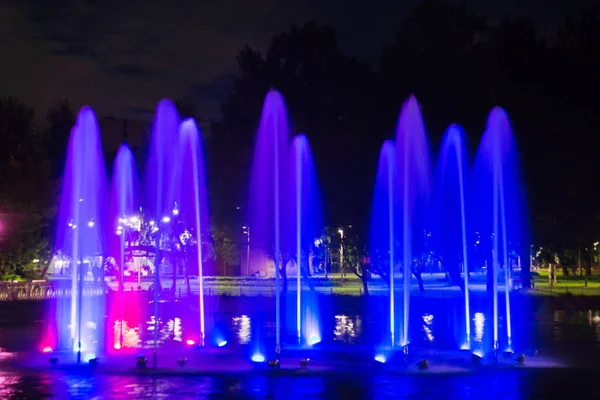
x: 413, y: 194
x: 307, y: 220
x: 450, y: 215
x: 499, y: 213
x: 269, y: 202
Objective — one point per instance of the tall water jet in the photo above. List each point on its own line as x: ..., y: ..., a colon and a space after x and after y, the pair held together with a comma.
x: 80, y: 236
x: 450, y: 215
x: 303, y: 184
x: 123, y: 215
x: 268, y: 205
x: 383, y: 226
x: 161, y: 175
x: 500, y: 214
x: 412, y: 193
x: 194, y: 206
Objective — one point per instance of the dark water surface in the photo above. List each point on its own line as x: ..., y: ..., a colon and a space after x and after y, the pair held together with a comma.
x: 560, y: 329
x: 509, y: 384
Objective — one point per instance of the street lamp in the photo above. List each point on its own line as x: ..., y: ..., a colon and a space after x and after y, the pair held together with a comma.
x: 341, y: 232
x: 246, y: 231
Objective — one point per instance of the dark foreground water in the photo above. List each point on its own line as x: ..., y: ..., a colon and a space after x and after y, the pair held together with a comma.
x: 511, y: 384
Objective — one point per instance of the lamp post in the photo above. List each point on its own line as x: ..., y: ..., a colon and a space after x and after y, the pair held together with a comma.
x: 246, y: 231
x: 341, y: 232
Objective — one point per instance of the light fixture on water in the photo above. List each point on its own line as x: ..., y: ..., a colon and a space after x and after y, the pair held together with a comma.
x: 222, y: 343
x: 313, y: 340
x: 46, y: 349
x: 380, y: 358
x: 258, y: 358
x: 190, y: 342
x: 166, y: 219
x: 89, y: 357
x: 90, y: 224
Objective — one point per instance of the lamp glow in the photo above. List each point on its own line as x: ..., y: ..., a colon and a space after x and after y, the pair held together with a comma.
x: 258, y: 358
x: 190, y: 342
x: 380, y: 358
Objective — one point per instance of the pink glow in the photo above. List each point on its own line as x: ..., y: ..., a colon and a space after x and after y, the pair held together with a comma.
x: 47, y: 349
x: 190, y: 342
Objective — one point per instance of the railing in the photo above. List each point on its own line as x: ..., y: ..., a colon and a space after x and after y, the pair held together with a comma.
x: 43, y: 290
x: 564, y: 289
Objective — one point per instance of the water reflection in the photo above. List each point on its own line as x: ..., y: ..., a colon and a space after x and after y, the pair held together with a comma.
x: 347, y: 329
x: 242, y: 326
x: 506, y: 385
x: 131, y: 336
x: 428, y: 327
x: 479, y: 320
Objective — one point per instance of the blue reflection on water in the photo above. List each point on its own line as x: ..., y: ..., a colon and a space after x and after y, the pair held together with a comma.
x: 509, y: 384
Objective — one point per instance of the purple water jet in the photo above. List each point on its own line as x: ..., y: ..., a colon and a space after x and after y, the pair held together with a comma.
x: 81, y: 234
x: 268, y: 203
x: 123, y: 216
x: 193, y: 205
x: 162, y: 173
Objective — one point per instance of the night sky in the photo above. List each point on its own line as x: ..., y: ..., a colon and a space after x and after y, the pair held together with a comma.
x: 121, y: 57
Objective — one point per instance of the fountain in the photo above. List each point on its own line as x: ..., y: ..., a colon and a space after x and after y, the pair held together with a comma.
x: 382, y: 245
x: 160, y: 190
x: 193, y: 201
x: 124, y: 216
x: 268, y: 202
x: 413, y: 174
x: 81, y: 238
x: 402, y: 190
x: 498, y: 194
x: 410, y: 211
x: 303, y: 182
x: 450, y: 215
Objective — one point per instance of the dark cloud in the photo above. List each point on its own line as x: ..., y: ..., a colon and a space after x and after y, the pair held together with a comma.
x: 127, y: 70
x: 119, y: 55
